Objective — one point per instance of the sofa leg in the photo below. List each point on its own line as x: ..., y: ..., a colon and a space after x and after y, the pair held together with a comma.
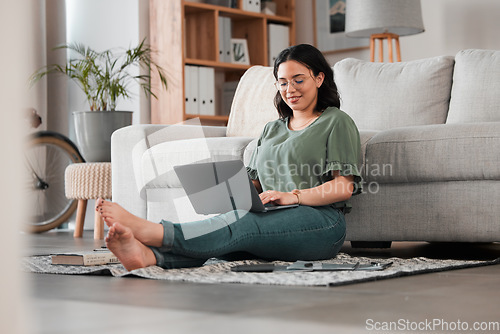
x: 371, y: 244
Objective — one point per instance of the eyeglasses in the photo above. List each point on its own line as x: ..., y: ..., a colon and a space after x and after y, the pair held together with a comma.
x: 297, y: 83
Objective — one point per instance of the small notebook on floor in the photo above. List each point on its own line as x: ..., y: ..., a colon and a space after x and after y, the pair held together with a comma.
x: 220, y: 187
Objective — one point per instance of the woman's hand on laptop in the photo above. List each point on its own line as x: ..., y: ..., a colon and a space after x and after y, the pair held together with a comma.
x: 278, y: 197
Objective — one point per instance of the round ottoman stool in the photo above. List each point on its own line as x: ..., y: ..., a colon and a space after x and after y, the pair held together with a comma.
x: 84, y: 181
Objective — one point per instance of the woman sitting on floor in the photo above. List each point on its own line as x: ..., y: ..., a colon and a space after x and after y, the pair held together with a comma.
x: 308, y: 156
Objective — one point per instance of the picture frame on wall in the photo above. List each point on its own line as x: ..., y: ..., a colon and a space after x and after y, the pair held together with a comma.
x: 329, y: 27
x: 239, y: 51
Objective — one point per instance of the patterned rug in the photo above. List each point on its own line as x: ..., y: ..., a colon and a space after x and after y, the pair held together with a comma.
x: 217, y: 271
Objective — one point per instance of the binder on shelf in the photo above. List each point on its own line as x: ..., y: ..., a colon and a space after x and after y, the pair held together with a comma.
x: 191, y: 89
x: 225, y: 39
x: 278, y: 39
x: 221, y: 38
x: 251, y: 5
x: 206, y: 89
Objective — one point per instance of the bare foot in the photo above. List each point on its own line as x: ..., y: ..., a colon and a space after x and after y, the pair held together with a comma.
x: 113, y: 213
x: 130, y: 251
x: 146, y: 232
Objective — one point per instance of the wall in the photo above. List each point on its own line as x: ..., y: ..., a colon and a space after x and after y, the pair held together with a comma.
x: 451, y: 25
x: 454, y: 25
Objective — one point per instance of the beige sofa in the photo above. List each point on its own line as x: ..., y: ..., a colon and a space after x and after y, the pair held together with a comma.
x: 430, y: 132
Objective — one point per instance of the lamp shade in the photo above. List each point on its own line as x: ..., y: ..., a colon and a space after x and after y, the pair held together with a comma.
x: 367, y: 17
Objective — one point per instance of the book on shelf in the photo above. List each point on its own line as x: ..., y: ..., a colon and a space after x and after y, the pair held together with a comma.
x: 85, y: 258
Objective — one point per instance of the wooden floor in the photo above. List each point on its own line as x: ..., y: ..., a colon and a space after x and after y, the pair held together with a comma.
x: 88, y: 304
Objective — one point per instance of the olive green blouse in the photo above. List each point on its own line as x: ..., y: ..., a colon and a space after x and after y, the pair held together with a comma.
x: 285, y: 159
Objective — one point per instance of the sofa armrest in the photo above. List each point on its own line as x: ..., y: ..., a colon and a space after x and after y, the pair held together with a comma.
x: 127, y: 148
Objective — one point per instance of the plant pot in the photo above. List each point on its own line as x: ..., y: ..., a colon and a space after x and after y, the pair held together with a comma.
x: 93, y: 131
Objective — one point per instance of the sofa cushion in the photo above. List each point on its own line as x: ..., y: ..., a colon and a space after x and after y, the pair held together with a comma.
x: 253, y: 103
x: 158, y: 161
x: 476, y: 83
x: 444, y: 152
x: 380, y: 96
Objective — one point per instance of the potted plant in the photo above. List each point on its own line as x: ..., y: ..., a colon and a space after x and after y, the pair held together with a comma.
x: 104, y: 77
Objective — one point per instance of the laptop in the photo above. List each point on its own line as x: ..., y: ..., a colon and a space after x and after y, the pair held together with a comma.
x: 220, y: 187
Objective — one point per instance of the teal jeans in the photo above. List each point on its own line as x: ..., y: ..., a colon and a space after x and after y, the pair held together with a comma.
x: 303, y: 233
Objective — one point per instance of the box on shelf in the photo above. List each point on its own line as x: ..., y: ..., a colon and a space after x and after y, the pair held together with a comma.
x: 251, y: 5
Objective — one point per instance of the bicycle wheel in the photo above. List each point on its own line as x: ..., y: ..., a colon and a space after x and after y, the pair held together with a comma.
x: 47, y: 155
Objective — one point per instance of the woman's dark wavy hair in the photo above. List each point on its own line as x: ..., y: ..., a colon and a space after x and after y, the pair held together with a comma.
x: 314, y: 60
